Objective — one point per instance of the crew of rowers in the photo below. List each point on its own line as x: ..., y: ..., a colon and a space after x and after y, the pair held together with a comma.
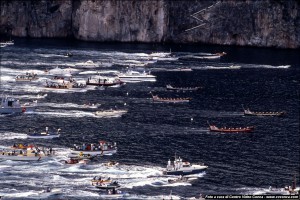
x: 99, y: 180
x: 93, y: 147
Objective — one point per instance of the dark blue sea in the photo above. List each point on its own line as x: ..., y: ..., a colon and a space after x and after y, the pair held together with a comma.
x: 151, y: 133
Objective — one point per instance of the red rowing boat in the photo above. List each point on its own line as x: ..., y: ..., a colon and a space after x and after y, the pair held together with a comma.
x: 213, y: 128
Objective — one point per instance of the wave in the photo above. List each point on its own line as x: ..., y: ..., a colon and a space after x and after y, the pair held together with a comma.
x: 100, y: 72
x: 215, y: 67
x: 50, y: 55
x: 275, y: 67
x: 13, y: 135
x: 69, y: 105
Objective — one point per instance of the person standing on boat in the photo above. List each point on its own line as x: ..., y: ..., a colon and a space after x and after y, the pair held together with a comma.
x: 169, y: 164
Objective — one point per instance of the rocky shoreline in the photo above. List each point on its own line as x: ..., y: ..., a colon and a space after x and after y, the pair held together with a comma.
x: 268, y: 23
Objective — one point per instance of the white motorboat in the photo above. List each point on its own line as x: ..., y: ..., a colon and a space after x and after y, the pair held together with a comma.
x: 178, y: 167
x: 10, y: 42
x: 182, y: 179
x: 110, y: 113
x: 11, y: 105
x: 44, y: 135
x: 28, y: 77
x: 87, y: 64
x: 46, y: 193
x: 61, y: 72
x: 287, y: 190
x: 160, y: 54
x: 23, y: 155
x: 95, y: 149
x: 135, y: 76
x: 104, y: 81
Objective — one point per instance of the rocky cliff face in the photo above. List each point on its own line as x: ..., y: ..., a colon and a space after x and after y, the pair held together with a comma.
x: 269, y: 23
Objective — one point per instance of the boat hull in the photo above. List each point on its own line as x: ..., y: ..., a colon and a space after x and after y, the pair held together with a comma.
x: 43, y: 136
x: 104, y: 84
x: 113, y: 196
x: 21, y: 158
x: 233, y: 130
x: 10, y: 110
x: 185, y: 171
x: 95, y: 153
x: 182, y: 89
x: 110, y: 113
x: 107, y: 187
x: 170, y: 101
x: 26, y: 80
x: 264, y: 114
x: 136, y: 79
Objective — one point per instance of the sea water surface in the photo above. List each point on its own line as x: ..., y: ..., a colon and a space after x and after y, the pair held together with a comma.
x: 151, y: 133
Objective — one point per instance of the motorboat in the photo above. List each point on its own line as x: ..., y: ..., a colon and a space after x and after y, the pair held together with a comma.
x: 110, y: 113
x: 156, y: 98
x: 31, y: 154
x: 247, y: 112
x: 287, y: 190
x: 80, y: 156
x: 200, y: 197
x: 69, y: 54
x: 28, y: 77
x: 41, y: 96
x: 111, y: 164
x: 87, y: 64
x: 208, y: 56
x: 106, y: 186
x: 98, y: 181
x: 160, y: 54
x: 67, y: 72
x: 64, y: 85
x: 11, y: 105
x: 9, y: 42
x: 95, y: 149
x: 113, y: 194
x: 181, y: 179
x: 179, y: 167
x: 181, y: 69
x: 213, y: 128
x: 104, y: 81
x: 169, y: 87
x: 72, y: 161
x: 91, y: 105
x: 214, y: 56
x: 19, y: 157
x: 135, y: 76
x: 56, y: 85
x: 234, y: 67
x: 44, y: 135
x: 46, y: 193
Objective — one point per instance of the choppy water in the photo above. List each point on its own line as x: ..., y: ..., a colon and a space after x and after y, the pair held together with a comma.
x: 151, y: 133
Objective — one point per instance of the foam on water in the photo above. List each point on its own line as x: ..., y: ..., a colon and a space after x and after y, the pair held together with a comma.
x: 13, y: 194
x: 67, y: 113
x: 12, y: 135
x: 69, y: 105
